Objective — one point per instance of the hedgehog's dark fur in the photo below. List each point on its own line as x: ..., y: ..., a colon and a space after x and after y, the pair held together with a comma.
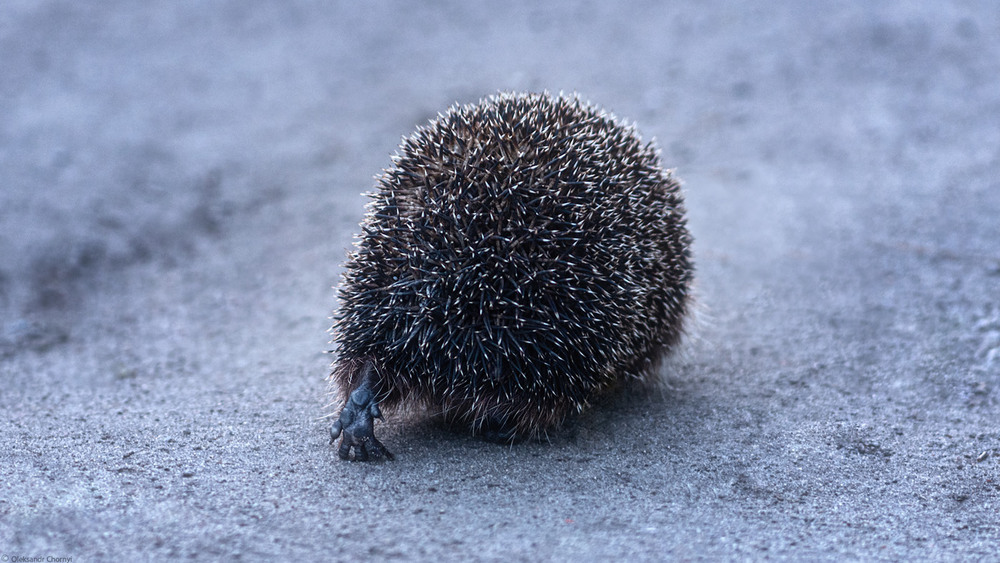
x: 523, y: 255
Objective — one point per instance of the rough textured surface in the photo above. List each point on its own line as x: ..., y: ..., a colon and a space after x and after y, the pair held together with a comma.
x: 179, y: 184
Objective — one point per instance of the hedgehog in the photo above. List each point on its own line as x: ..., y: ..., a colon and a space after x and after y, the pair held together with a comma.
x: 523, y: 256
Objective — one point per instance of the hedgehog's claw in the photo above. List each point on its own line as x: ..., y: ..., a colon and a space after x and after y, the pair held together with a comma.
x: 357, y: 425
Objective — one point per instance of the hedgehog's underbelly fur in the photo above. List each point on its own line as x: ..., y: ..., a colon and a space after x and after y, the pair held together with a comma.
x: 523, y: 256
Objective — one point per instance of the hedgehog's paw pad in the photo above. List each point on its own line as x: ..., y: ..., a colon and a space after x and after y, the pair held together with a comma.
x: 356, y: 429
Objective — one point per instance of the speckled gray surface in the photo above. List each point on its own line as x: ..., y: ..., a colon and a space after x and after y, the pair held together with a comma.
x: 179, y: 183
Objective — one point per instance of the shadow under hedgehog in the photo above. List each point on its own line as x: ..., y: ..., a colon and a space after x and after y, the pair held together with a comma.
x: 522, y: 256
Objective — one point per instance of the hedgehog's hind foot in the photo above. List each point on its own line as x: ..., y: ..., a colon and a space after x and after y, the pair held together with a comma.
x: 498, y: 431
x: 357, y: 423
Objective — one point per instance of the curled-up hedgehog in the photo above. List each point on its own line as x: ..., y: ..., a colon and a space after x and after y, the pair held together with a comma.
x: 522, y: 256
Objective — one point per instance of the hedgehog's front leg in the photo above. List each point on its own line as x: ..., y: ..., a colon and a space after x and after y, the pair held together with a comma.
x: 357, y: 422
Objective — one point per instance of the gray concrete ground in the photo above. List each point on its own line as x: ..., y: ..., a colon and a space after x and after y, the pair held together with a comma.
x: 179, y: 183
